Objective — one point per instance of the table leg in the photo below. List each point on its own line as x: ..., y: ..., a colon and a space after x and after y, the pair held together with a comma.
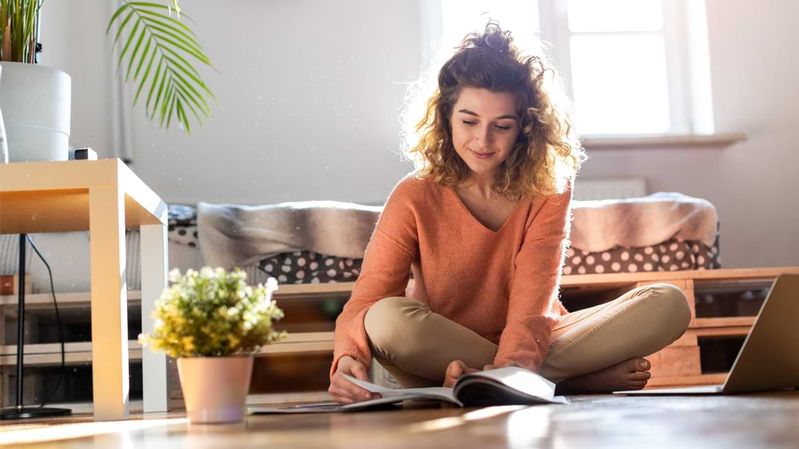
x: 153, y: 281
x: 110, y: 384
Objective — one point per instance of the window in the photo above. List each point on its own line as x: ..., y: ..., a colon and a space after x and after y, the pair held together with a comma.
x: 632, y: 67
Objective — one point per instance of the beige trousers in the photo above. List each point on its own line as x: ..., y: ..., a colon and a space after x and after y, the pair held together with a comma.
x: 415, y: 345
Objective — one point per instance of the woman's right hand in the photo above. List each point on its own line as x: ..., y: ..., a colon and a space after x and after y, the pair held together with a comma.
x: 342, y: 390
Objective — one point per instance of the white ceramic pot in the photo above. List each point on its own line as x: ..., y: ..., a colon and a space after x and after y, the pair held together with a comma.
x: 35, y: 101
x: 215, y: 388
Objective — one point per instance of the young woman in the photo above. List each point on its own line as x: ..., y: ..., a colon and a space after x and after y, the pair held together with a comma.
x: 483, y: 224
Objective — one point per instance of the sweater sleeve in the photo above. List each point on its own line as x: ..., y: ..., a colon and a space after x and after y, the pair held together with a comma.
x: 385, y: 272
x: 533, y: 305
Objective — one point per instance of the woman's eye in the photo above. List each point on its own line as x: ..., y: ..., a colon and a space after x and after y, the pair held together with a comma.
x: 503, y: 127
x: 469, y: 123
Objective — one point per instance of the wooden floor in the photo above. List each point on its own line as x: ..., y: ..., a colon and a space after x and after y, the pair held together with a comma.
x: 751, y: 421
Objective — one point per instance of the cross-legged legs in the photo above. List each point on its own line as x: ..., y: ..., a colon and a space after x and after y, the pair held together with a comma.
x: 588, y: 347
x: 601, y: 348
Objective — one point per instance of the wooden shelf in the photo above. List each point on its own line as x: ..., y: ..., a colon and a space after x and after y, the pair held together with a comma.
x: 727, y: 331
x: 301, y: 343
x: 702, y: 379
x: 36, y: 301
x: 723, y: 322
x: 286, y: 290
x: 582, y: 281
x: 81, y: 352
x: 309, y: 289
x: 50, y: 353
x: 619, y: 279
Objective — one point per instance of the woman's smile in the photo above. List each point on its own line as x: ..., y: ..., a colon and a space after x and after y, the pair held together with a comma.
x: 482, y: 155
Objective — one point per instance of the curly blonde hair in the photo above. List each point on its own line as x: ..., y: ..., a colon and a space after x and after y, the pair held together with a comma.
x: 546, y: 155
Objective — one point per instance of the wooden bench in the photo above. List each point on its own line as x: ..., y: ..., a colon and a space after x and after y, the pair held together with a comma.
x: 723, y: 302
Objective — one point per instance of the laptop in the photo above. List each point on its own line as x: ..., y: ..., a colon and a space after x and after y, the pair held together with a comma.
x: 769, y: 357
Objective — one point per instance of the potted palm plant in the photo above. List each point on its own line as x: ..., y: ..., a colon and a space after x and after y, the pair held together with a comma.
x: 34, y: 100
x: 211, y: 321
x: 156, y: 51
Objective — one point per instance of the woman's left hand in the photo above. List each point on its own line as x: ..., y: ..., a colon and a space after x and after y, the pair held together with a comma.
x: 506, y: 364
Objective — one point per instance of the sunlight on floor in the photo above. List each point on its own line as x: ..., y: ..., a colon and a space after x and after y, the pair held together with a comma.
x: 41, y: 433
x: 455, y: 421
x: 526, y: 428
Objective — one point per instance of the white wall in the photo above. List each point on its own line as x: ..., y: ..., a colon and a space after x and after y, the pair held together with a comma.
x: 309, y: 93
x: 308, y: 96
x: 73, y: 38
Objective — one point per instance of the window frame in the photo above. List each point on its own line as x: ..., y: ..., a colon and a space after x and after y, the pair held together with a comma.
x: 686, y: 58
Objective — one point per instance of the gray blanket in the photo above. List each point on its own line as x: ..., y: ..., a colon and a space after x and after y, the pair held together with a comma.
x: 234, y: 235
x: 638, y: 222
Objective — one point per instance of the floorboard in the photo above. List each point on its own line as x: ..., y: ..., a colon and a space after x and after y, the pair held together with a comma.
x: 598, y: 421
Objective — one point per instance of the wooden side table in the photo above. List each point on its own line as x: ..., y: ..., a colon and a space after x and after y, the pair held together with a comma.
x: 104, y: 197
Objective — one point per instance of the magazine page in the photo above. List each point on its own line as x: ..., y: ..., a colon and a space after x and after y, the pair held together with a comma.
x: 389, y: 396
x: 509, y: 385
x: 444, y: 394
x: 324, y: 407
x: 318, y: 407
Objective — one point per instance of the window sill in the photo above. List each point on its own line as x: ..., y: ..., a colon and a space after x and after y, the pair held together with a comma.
x: 673, y: 141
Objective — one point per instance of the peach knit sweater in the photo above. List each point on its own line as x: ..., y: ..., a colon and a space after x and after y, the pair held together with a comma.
x: 503, y: 285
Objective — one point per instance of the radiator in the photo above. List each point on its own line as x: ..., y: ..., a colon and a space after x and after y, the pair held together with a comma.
x: 603, y: 189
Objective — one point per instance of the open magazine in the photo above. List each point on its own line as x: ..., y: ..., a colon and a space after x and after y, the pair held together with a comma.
x: 501, y: 386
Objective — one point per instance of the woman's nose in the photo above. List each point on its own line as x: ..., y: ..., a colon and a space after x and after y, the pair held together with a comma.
x: 483, y: 135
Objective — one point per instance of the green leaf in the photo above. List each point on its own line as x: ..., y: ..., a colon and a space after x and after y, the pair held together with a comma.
x: 157, y: 104
x: 174, y: 46
x: 193, y: 102
x: 184, y: 67
x: 182, y: 117
x: 122, y: 25
x: 167, y: 28
x: 160, y: 53
x: 169, y: 112
x: 129, y: 42
x: 143, y: 79
x: 156, y: 78
x: 142, y: 60
x: 174, y: 21
x: 135, y: 51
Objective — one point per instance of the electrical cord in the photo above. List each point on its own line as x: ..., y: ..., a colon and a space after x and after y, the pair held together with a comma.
x: 60, y: 326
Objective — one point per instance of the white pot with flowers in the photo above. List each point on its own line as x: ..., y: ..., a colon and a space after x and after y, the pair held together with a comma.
x: 212, y: 322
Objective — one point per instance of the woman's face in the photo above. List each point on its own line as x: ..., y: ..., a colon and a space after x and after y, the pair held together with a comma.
x: 484, y: 128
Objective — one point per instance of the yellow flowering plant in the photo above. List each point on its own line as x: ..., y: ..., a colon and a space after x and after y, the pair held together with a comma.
x: 213, y: 313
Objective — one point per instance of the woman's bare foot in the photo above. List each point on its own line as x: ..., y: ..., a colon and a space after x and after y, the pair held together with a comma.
x: 630, y: 374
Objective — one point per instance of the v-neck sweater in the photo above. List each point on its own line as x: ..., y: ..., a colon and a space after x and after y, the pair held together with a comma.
x: 501, y: 284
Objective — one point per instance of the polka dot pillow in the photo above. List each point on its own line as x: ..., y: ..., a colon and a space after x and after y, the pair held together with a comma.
x: 182, y: 225
x: 671, y: 255
x: 308, y: 267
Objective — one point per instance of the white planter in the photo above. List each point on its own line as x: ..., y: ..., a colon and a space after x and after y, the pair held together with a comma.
x: 35, y: 102
x: 215, y: 388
